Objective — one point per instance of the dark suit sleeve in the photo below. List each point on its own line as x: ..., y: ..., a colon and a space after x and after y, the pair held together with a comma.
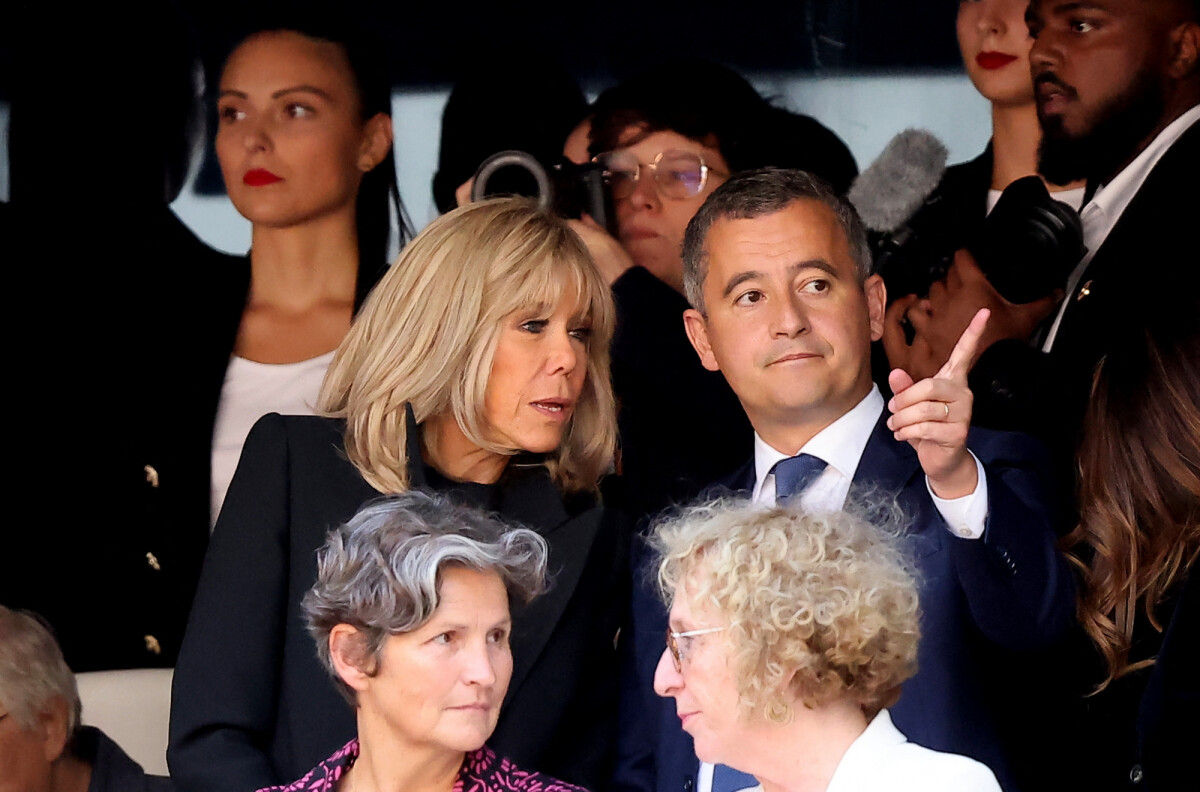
x: 639, y: 705
x: 1018, y: 586
x: 223, y: 700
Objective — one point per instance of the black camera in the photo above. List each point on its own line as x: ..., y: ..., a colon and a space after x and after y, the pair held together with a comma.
x: 569, y: 190
x: 1026, y: 247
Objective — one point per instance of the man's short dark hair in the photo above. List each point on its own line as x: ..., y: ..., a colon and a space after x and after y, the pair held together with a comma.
x: 757, y: 193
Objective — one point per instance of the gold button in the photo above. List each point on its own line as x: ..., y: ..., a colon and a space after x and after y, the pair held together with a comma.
x: 152, y: 561
x: 151, y: 476
x: 1084, y: 291
x: 152, y: 644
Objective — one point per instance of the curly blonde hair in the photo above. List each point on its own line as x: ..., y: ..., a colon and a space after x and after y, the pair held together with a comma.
x: 821, y: 605
x: 426, y: 337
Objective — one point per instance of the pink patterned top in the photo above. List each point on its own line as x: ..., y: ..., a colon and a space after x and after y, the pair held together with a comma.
x: 482, y: 771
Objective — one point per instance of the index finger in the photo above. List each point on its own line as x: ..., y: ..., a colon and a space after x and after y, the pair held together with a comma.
x: 964, y: 351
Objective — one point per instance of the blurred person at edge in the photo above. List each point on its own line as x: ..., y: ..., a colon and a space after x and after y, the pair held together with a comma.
x: 478, y: 368
x: 1137, y: 547
x: 411, y: 615
x: 43, y: 747
x: 667, y: 138
x: 790, y: 633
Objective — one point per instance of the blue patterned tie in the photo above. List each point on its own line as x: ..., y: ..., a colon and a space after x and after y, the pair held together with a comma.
x: 794, y: 474
x: 726, y: 779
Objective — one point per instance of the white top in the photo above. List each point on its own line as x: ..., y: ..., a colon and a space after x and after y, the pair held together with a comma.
x: 1072, y: 198
x: 841, y: 446
x: 881, y: 758
x: 252, y: 390
x: 1110, y: 200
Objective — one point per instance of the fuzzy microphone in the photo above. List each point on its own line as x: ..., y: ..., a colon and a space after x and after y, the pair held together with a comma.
x: 893, y: 187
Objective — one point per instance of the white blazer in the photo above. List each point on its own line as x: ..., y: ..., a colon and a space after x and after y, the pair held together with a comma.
x: 883, y: 759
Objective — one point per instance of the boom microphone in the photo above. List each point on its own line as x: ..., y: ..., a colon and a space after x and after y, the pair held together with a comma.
x: 893, y: 187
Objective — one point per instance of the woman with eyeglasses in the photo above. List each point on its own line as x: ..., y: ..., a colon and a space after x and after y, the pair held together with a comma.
x: 790, y: 633
x: 667, y: 139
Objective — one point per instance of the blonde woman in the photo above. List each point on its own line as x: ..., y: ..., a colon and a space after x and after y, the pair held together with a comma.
x: 790, y: 634
x: 477, y: 368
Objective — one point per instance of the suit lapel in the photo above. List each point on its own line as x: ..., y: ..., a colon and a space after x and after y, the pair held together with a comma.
x: 532, y: 499
x: 890, y: 469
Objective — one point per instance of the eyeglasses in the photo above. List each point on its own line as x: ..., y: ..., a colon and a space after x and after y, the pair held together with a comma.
x: 673, y: 643
x: 677, y: 174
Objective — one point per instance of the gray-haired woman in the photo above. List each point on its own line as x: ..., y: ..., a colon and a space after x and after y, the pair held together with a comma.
x: 410, y: 614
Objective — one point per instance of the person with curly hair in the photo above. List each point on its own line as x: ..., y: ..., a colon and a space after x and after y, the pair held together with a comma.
x: 791, y: 632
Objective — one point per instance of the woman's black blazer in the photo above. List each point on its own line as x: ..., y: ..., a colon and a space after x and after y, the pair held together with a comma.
x: 251, y: 705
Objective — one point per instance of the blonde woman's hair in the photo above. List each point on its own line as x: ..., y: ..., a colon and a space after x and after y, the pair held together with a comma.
x: 426, y: 337
x: 820, y: 605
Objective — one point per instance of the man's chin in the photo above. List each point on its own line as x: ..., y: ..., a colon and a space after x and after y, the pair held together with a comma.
x: 1115, y: 134
x: 1063, y: 158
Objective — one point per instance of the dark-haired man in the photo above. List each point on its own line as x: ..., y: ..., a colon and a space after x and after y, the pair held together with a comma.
x: 1118, y: 96
x: 785, y: 306
x: 1118, y: 93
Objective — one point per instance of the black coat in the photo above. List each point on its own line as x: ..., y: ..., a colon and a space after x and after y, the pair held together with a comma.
x: 251, y: 706
x: 138, y: 538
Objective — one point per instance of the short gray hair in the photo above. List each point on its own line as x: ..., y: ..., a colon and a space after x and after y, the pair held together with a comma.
x: 32, y: 671
x: 381, y: 571
x: 756, y: 193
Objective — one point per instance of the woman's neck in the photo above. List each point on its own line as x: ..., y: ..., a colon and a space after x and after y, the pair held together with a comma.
x: 446, y: 449
x: 390, y: 765
x: 301, y: 266
x: 803, y: 754
x: 1016, y: 136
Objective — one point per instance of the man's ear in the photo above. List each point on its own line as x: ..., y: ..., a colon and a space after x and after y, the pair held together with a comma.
x: 1185, y: 50
x: 876, y: 294
x: 348, y: 652
x: 52, y: 728
x: 376, y: 142
x: 697, y: 332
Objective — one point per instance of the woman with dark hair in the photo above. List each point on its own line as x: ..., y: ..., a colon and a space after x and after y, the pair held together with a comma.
x: 304, y: 139
x: 1136, y: 545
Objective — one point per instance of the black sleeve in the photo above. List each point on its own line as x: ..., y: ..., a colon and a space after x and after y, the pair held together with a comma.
x: 223, y: 699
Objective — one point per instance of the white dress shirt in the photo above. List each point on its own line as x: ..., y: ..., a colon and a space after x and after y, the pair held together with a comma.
x: 1110, y: 201
x: 881, y: 758
x: 841, y: 446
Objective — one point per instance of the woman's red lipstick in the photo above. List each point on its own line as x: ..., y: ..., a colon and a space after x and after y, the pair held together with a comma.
x: 260, y: 177
x: 994, y: 60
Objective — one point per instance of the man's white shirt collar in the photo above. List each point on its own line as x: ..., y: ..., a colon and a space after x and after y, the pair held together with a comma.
x: 840, y: 445
x: 1101, y: 213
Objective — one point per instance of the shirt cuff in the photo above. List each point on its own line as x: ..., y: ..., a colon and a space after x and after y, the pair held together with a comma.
x: 966, y: 516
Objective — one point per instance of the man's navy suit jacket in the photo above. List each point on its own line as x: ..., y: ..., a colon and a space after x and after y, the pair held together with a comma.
x: 1010, y: 588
